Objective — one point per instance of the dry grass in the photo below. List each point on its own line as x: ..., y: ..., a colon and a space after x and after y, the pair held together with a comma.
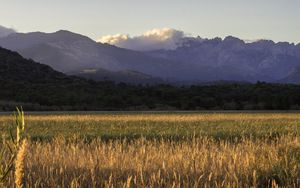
x: 156, y: 125
x: 199, y: 161
x: 20, y: 180
x: 165, y: 117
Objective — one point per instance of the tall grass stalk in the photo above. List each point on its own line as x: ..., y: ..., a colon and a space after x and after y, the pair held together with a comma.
x: 12, y: 153
x: 20, y: 165
x: 20, y: 124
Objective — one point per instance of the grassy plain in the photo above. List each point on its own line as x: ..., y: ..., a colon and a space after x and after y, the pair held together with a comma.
x: 161, y: 149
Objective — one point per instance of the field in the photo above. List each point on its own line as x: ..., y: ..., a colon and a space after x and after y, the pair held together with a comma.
x: 159, y: 150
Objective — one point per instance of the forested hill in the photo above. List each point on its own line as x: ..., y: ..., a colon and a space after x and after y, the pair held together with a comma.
x: 14, y: 68
x: 39, y: 87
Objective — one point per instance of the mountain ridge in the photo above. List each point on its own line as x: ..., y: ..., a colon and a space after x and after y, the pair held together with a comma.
x: 205, y: 60
x: 79, y: 52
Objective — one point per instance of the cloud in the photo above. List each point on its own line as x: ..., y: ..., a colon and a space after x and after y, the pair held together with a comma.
x: 114, y: 39
x: 155, y: 39
x: 5, y: 31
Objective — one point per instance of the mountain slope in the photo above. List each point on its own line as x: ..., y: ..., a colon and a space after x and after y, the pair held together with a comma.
x: 62, y: 50
x: 5, y: 31
x: 294, y: 77
x: 15, y: 68
x: 23, y: 80
x: 126, y: 76
x: 69, y: 52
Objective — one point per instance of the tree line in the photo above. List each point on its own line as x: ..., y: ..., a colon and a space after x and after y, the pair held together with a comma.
x: 72, y: 95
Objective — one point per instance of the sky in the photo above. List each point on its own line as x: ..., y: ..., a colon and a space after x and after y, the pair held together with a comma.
x: 277, y: 20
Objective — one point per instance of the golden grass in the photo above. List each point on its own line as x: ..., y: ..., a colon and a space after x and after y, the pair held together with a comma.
x: 164, y: 117
x: 20, y: 165
x: 198, y: 161
x: 201, y: 162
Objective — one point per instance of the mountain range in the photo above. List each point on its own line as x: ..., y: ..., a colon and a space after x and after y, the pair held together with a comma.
x: 35, y: 86
x: 233, y: 59
x: 194, y: 61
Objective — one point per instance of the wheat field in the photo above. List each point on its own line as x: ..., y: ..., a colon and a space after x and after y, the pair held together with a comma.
x: 157, y: 150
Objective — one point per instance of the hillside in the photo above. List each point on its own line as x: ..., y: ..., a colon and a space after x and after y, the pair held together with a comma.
x: 39, y: 87
x: 13, y: 67
x: 69, y: 52
x: 35, y: 84
x: 126, y: 76
x: 293, y: 77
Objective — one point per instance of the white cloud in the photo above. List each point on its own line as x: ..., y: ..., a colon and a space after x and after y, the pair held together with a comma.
x: 114, y: 39
x: 155, y: 39
x: 5, y: 31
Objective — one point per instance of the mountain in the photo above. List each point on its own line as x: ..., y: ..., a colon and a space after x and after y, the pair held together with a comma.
x: 14, y: 68
x: 5, y: 31
x: 125, y: 76
x: 38, y: 87
x: 32, y: 84
x: 195, y: 60
x: 234, y: 59
x: 293, y: 77
x: 69, y: 52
